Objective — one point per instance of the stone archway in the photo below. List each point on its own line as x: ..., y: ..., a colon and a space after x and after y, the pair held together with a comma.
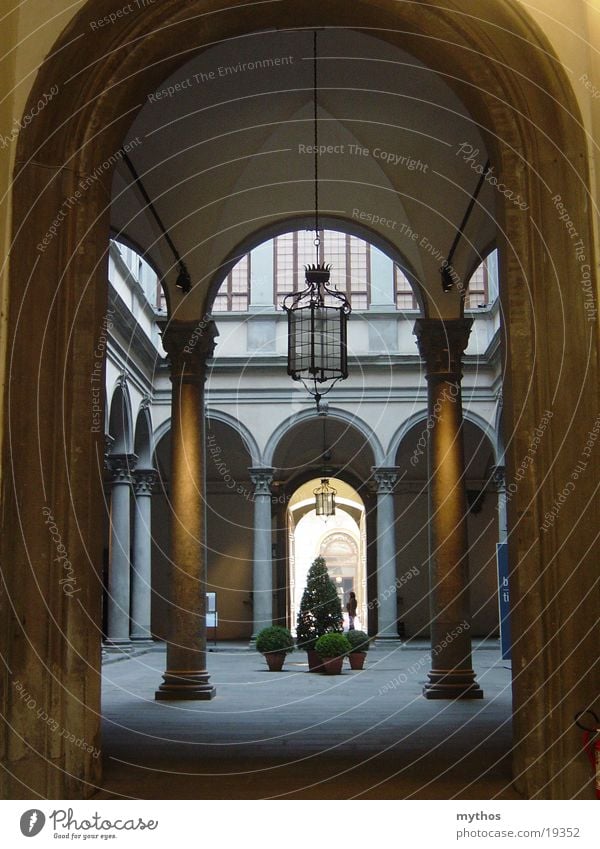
x: 80, y: 131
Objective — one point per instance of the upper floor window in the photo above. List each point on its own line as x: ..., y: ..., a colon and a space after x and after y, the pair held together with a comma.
x: 234, y: 293
x: 478, y: 288
x: 348, y: 256
x: 405, y: 296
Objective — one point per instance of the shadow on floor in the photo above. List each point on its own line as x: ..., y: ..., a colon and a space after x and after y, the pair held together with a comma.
x: 298, y: 735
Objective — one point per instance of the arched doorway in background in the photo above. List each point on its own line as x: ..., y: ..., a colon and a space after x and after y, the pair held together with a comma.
x: 341, y: 539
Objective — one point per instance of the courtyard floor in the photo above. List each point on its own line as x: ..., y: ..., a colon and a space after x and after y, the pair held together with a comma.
x: 301, y: 735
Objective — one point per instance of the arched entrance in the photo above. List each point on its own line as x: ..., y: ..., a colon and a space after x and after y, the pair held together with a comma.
x: 341, y: 539
x: 413, y: 520
x: 229, y: 508
x: 81, y: 129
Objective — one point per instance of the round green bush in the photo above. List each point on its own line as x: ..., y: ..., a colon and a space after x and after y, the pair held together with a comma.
x: 359, y: 641
x: 274, y: 638
x: 332, y: 645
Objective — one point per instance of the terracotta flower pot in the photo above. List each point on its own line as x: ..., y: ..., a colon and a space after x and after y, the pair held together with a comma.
x: 333, y: 665
x: 315, y: 664
x: 357, y: 659
x: 275, y: 660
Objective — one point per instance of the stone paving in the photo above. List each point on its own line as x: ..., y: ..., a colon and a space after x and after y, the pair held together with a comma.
x: 296, y: 734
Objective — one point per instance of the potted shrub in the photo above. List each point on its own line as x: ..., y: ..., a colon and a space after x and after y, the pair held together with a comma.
x: 332, y: 649
x: 320, y: 612
x: 274, y: 642
x: 359, y: 646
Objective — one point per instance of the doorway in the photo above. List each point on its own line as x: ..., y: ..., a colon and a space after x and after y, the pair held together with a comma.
x: 340, y: 539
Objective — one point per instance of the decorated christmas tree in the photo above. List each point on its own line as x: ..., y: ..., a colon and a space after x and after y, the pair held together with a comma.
x: 320, y: 609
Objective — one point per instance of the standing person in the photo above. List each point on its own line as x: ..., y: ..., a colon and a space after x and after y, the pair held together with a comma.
x: 351, y: 608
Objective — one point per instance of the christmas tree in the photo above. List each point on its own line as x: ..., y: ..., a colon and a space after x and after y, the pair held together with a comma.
x: 320, y: 609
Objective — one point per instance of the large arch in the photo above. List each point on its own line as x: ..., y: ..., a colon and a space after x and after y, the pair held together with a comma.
x: 413, y: 517
x: 421, y: 416
x: 229, y: 511
x: 120, y: 420
x: 143, y: 446
x: 226, y: 418
x: 327, y: 222
x: 240, y: 428
x: 111, y: 71
x: 333, y: 413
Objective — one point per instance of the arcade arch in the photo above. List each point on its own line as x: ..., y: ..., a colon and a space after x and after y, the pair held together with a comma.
x: 86, y: 124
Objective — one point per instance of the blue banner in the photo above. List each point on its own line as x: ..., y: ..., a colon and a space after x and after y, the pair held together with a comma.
x: 503, y: 599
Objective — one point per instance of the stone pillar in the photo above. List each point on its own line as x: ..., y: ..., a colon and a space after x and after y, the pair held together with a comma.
x: 141, y: 574
x: 442, y: 344
x: 499, y: 478
x: 387, y: 615
x: 262, y: 571
x: 121, y: 469
x: 188, y: 346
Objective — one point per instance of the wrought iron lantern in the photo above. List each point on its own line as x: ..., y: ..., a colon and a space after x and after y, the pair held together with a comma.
x: 317, y: 346
x: 317, y: 315
x: 325, y: 499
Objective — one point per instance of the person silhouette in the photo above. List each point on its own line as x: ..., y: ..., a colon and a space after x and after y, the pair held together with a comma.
x: 351, y: 608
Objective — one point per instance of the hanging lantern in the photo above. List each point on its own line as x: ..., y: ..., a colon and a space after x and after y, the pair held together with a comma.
x: 317, y: 318
x: 325, y: 499
x: 317, y: 315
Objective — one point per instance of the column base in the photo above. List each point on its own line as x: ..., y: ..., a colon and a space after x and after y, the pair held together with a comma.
x: 383, y: 642
x: 118, y: 644
x: 189, y: 685
x: 142, y: 638
x: 452, y: 684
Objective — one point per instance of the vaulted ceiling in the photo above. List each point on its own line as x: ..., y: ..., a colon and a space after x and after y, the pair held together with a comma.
x: 221, y: 148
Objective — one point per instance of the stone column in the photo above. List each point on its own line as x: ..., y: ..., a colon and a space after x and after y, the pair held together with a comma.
x: 262, y: 571
x: 141, y: 574
x: 442, y: 344
x: 387, y: 616
x: 499, y: 478
x: 188, y: 346
x: 121, y: 470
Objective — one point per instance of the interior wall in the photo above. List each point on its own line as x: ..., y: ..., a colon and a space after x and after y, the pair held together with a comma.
x: 412, y: 562
x: 161, y: 545
x: 482, y: 529
x: 412, y: 568
x: 230, y: 539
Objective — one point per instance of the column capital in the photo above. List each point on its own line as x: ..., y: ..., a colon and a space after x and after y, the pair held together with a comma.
x: 144, y: 480
x: 499, y: 476
x: 189, y: 344
x: 120, y: 467
x: 442, y: 342
x: 261, y: 477
x: 108, y: 444
x: 385, y: 478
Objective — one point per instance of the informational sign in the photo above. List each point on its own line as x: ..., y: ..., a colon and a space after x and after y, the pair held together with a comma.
x: 504, y: 599
x: 212, y: 616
